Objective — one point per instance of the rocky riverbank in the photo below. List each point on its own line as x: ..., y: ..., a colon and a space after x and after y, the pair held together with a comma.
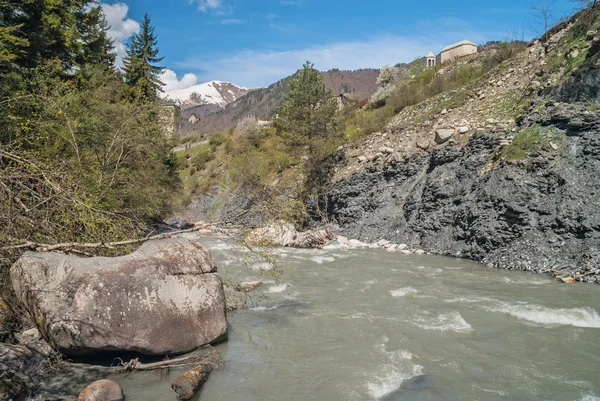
x: 164, y: 299
x: 536, y: 211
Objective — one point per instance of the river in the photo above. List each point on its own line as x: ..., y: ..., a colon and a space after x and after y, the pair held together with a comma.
x: 366, y: 324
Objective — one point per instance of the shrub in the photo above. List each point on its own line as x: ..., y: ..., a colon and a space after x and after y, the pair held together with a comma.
x: 361, y: 123
x: 203, y: 157
x: 406, y: 95
x: 216, y: 140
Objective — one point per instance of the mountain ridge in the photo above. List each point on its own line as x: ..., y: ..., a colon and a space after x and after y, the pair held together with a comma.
x: 261, y: 102
x: 219, y: 93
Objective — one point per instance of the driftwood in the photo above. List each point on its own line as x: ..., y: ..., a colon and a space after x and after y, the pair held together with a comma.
x: 136, y: 365
x: 72, y: 246
x: 190, y: 382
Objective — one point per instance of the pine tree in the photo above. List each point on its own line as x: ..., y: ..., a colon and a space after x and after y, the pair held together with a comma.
x: 60, y: 33
x: 141, y: 72
x: 308, y: 121
x: 308, y: 115
x: 97, y: 49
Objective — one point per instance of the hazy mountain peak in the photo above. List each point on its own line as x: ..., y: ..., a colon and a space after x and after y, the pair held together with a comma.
x: 218, y: 93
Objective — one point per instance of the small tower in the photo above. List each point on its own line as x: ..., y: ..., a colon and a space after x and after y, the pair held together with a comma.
x: 431, y: 60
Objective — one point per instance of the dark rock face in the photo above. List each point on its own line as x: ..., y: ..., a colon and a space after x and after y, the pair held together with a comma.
x: 539, y: 214
x: 580, y: 89
x: 18, y: 367
x: 165, y: 298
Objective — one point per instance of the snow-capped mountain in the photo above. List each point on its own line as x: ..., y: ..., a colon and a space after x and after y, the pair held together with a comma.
x: 215, y: 92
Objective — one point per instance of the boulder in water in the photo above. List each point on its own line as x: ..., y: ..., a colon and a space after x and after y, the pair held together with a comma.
x: 283, y: 234
x: 248, y: 286
x: 102, y: 390
x: 165, y: 298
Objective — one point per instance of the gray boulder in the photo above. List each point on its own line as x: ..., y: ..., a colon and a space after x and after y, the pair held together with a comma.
x: 165, y: 298
x: 285, y: 234
x: 442, y: 135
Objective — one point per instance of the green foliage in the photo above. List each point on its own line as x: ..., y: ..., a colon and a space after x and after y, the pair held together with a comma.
x: 361, y: 123
x: 59, y: 33
x: 307, y: 117
x: 216, y: 139
x: 97, y: 48
x: 11, y: 45
x: 531, y: 140
x: 308, y: 121
x: 201, y: 158
x: 79, y: 161
x: 141, y: 72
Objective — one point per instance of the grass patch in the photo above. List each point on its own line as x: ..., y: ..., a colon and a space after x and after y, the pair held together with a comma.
x: 531, y: 140
x: 361, y: 123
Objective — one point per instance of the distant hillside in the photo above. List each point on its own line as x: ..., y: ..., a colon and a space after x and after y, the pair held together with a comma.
x: 362, y: 83
x: 261, y: 102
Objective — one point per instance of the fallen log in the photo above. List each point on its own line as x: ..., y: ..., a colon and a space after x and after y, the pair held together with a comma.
x: 136, y: 365
x: 72, y: 246
x: 190, y: 382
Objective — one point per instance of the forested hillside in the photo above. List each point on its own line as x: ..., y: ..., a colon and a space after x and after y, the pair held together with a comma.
x: 83, y: 153
x: 260, y: 103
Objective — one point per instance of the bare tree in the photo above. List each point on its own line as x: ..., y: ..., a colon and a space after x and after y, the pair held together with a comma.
x: 585, y: 3
x: 544, y: 17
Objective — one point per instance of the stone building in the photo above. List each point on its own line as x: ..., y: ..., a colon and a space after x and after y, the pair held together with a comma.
x: 458, y: 50
x: 431, y: 61
x: 167, y: 116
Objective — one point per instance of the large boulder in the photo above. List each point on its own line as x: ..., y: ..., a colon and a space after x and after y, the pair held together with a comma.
x: 284, y: 234
x: 165, y: 298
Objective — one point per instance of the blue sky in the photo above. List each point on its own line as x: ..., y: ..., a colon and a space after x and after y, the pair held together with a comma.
x: 254, y: 43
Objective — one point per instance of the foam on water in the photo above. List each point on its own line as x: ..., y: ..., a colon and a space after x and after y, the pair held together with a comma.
x: 321, y: 259
x: 397, y: 370
x: 590, y: 397
x: 262, y: 266
x: 452, y: 321
x: 578, y: 317
x: 528, y: 281
x: 402, y: 292
x: 264, y: 308
x: 277, y: 288
x: 469, y: 299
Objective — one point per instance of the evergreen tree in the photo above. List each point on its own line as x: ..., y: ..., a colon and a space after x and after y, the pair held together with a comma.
x: 308, y: 121
x: 64, y: 34
x: 141, y: 72
x: 307, y: 117
x: 97, y: 47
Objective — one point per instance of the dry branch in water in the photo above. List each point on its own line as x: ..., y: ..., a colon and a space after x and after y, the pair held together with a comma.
x: 72, y: 246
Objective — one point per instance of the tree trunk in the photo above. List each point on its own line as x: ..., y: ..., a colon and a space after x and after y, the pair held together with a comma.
x: 187, y: 385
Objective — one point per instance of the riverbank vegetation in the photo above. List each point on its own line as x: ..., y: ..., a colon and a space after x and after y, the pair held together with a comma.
x: 83, y: 152
x: 280, y: 166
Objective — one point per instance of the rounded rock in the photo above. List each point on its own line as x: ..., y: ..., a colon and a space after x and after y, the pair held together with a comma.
x: 102, y: 390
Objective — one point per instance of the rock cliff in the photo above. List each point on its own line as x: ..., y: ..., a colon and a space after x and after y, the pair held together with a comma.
x: 527, y: 203
x: 514, y: 192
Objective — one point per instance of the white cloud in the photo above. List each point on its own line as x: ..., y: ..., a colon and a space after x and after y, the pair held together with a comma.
x: 121, y: 28
x: 260, y: 68
x: 231, y: 21
x: 169, y: 78
x: 205, y: 5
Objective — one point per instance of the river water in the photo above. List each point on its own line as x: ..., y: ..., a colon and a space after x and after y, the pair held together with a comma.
x: 366, y: 324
